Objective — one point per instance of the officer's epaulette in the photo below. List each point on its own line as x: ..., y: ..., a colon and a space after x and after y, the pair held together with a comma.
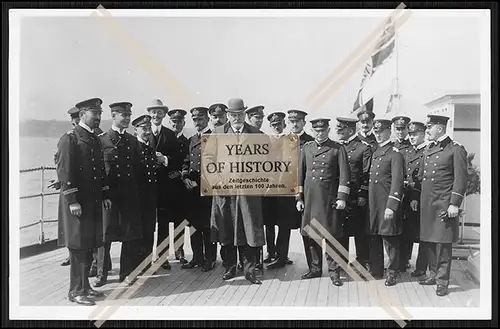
x: 395, y: 149
x: 101, y: 134
x: 457, y: 143
x: 366, y: 143
x: 70, y: 132
x: 309, y: 143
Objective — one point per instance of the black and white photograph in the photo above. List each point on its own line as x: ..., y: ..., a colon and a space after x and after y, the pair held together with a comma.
x: 382, y: 212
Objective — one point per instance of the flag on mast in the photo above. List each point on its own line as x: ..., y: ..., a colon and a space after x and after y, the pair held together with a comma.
x: 382, y: 54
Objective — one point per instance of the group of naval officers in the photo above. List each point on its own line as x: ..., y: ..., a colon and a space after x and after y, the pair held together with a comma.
x: 387, y: 193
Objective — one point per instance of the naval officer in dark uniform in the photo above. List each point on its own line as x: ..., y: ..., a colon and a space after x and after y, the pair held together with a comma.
x: 366, y: 117
x: 200, y: 207
x: 178, y: 200
x: 147, y: 184
x: 289, y: 218
x: 359, y: 154
x: 385, y: 188
x: 123, y: 222
x: 324, y: 176
x: 255, y: 116
x: 444, y: 180
x: 411, y: 201
x: 218, y: 115
x: 84, y: 193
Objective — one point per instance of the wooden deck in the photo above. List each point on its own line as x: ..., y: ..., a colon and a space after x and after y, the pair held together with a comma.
x: 43, y: 282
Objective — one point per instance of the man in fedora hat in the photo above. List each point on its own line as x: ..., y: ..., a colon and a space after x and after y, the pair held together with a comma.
x: 166, y: 145
x: 237, y: 220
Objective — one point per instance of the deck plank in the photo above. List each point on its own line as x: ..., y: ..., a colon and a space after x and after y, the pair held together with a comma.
x: 44, y: 282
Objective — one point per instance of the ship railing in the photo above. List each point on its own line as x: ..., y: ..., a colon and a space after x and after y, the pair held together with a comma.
x: 41, y: 195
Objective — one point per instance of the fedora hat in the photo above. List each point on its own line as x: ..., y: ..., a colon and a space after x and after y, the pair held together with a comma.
x: 157, y: 104
x: 236, y: 105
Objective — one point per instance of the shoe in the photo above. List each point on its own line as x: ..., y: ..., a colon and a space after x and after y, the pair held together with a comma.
x: 208, y: 266
x: 259, y: 266
x: 229, y: 275
x: 288, y: 261
x: 191, y: 264
x: 336, y: 280
x: 252, y: 278
x: 94, y: 293
x: 269, y: 258
x: 240, y: 267
x: 311, y: 275
x: 391, y: 281
x: 427, y: 282
x: 66, y: 262
x: 100, y: 282
x: 183, y: 260
x: 82, y: 300
x: 166, y: 265
x: 277, y: 263
x: 93, y: 272
x: 417, y: 273
x: 441, y: 290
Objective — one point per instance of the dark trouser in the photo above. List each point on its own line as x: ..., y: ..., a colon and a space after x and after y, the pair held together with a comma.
x: 163, y: 231
x: 130, y: 256
x: 250, y: 257
x: 241, y: 254
x: 356, y: 223
x: 80, y: 260
x: 203, y: 247
x: 270, y: 238
x: 439, y: 256
x: 147, y: 248
x: 334, y: 265
x: 422, y: 258
x: 103, y: 260
x: 391, y: 244
x: 283, y: 243
x: 314, y: 254
x: 406, y: 243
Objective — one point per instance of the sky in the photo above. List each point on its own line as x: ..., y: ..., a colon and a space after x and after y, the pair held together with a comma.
x: 273, y: 61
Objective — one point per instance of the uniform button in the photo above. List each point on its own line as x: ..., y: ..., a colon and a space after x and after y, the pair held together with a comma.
x: 418, y: 162
x: 324, y: 163
x: 424, y: 178
x: 435, y: 164
x: 95, y: 177
x: 433, y: 171
x: 376, y: 181
x: 320, y: 178
x: 313, y: 177
x: 349, y: 156
x: 432, y: 179
x: 150, y: 180
x: 129, y: 175
x: 376, y: 174
x: 128, y: 166
x: 370, y: 181
x: 378, y: 166
x: 118, y: 175
x: 128, y: 158
x: 149, y: 173
x: 313, y: 170
x: 93, y: 168
x: 409, y: 169
x: 314, y: 162
x: 147, y: 166
x: 322, y: 170
x: 425, y: 171
x: 437, y: 157
x: 117, y: 166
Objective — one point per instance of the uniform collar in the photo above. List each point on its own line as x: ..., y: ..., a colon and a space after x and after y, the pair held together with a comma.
x: 301, y: 133
x: 385, y: 143
x: 180, y: 134
x: 207, y: 128
x: 442, y: 138
x: 321, y: 143
x: 118, y: 130
x: 84, y: 126
x: 350, y: 139
x: 421, y: 145
x: 142, y: 140
x: 363, y: 134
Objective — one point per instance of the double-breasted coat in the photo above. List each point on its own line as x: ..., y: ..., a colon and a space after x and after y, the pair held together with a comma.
x: 324, y: 178
x: 148, y: 187
x: 359, y: 154
x: 199, y: 211
x: 80, y: 170
x: 385, y: 188
x: 167, y: 144
x: 404, y: 147
x: 282, y: 210
x: 412, y: 192
x: 444, y: 180
x: 121, y: 156
x: 237, y: 220
x: 370, y: 139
